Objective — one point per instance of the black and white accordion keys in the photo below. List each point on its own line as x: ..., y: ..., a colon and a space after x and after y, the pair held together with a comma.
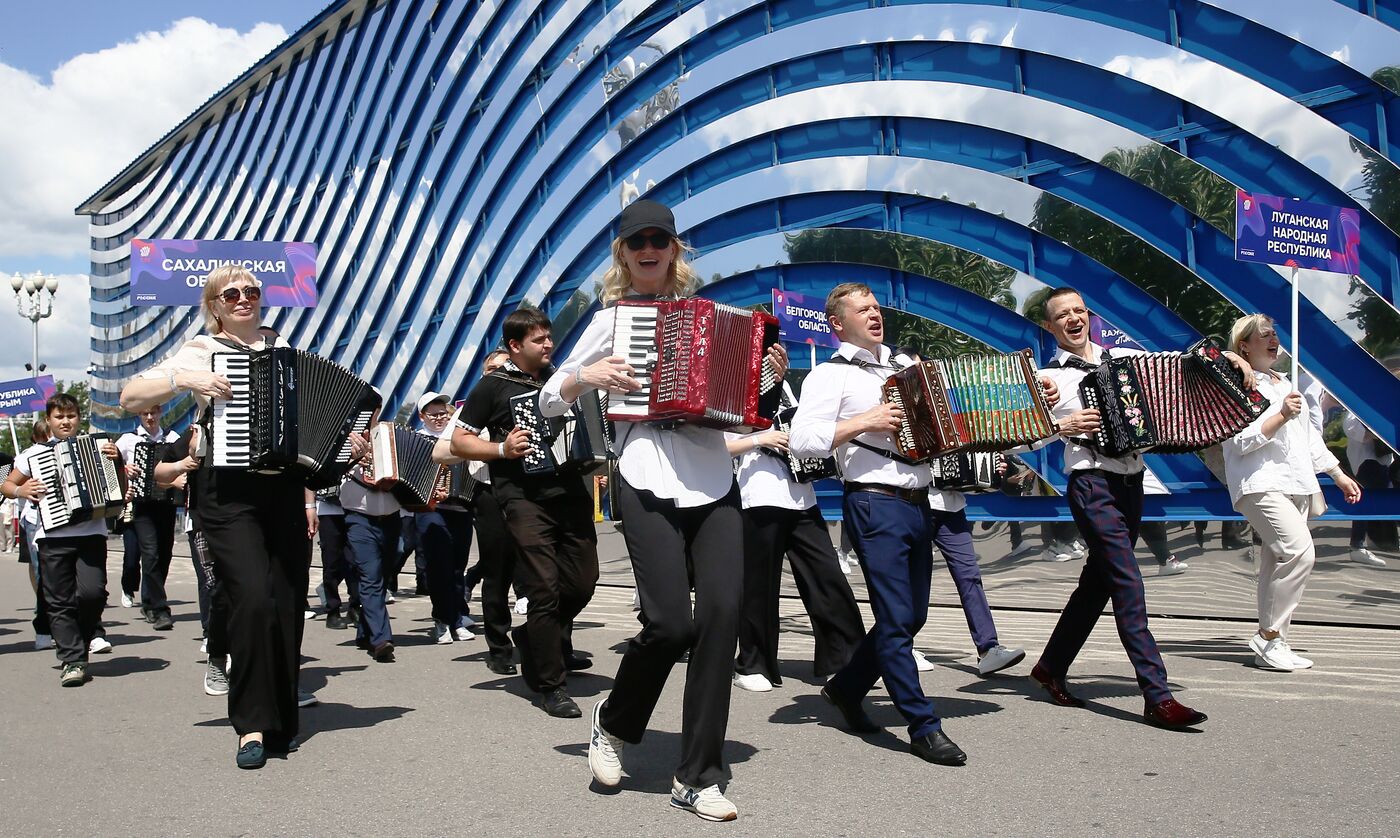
x: 82, y: 484
x: 578, y: 441
x: 145, y: 457
x: 802, y: 469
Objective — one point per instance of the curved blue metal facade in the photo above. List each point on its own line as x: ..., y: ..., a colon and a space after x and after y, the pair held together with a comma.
x: 452, y: 159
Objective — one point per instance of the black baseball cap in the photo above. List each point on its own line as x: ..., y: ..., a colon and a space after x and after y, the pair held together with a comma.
x: 640, y: 215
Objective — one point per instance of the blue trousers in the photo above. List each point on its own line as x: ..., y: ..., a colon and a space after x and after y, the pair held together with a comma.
x: 1108, y: 510
x: 444, y: 539
x: 952, y: 535
x: 893, y: 541
x: 374, y: 543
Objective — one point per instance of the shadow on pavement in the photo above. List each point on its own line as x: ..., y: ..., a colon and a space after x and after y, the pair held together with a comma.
x: 331, y: 716
x: 315, y: 678
x: 116, y: 667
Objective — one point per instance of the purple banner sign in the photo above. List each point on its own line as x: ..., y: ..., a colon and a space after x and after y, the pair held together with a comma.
x: 1106, y: 334
x: 1296, y: 234
x: 172, y: 272
x: 25, y: 395
x: 802, y: 319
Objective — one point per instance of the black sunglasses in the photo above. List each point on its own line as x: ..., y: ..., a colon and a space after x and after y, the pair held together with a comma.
x: 637, y: 241
x: 251, y: 293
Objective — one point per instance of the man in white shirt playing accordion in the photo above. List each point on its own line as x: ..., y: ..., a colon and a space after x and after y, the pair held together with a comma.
x: 153, y: 519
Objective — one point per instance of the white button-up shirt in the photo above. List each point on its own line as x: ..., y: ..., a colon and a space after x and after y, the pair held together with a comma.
x: 834, y: 392
x: 764, y: 480
x: 1362, y: 445
x: 689, y: 465
x: 1289, y: 462
x: 126, y: 444
x: 1078, y: 457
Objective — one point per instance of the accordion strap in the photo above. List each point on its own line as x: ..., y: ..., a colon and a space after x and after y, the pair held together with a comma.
x: 866, y: 365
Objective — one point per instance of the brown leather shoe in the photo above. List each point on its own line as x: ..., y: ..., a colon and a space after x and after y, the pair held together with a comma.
x: 1056, y: 687
x: 1172, y: 715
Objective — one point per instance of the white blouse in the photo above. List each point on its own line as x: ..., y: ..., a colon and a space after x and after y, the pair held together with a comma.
x: 689, y: 465
x: 764, y: 480
x: 197, y: 353
x: 1287, y: 463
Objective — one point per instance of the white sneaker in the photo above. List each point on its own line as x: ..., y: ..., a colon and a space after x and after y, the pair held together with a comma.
x: 306, y: 699
x: 463, y: 633
x: 636, y: 601
x: 998, y: 658
x: 755, y: 683
x: 99, y: 646
x: 1056, y: 553
x: 845, y: 560
x: 308, y: 614
x: 923, y: 663
x: 204, y: 646
x: 1298, y: 660
x: 1077, y: 550
x: 1361, y: 555
x: 522, y: 605
x: 127, y: 601
x: 602, y: 752
x: 1271, y: 654
x: 441, y: 636
x: 42, y: 642
x: 708, y: 803
x: 389, y: 598
x: 1172, y: 567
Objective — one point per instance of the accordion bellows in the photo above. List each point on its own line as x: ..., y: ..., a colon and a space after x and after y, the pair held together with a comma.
x: 1169, y: 402
x: 83, y: 485
x: 699, y: 361
x: 970, y: 403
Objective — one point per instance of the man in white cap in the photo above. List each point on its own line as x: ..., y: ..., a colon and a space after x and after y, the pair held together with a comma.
x: 444, y: 537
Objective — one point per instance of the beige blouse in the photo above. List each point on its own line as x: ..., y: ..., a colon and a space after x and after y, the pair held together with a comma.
x: 197, y: 354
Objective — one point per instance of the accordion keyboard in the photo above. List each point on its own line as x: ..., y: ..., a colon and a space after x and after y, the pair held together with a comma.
x: 233, y: 422
x: 634, y: 339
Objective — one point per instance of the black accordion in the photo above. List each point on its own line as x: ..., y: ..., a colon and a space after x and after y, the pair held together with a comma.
x: 970, y: 403
x: 967, y: 471
x: 698, y: 361
x: 145, y: 457
x: 82, y: 484
x: 290, y: 411
x: 457, y: 483
x: 578, y: 442
x: 802, y: 469
x: 1168, y: 402
x: 401, y: 462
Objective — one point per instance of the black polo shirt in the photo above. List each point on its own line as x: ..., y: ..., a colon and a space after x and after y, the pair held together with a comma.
x: 488, y: 406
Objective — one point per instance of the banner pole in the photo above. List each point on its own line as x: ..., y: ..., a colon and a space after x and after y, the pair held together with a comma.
x: 14, y: 437
x: 1297, y: 364
x: 813, y: 347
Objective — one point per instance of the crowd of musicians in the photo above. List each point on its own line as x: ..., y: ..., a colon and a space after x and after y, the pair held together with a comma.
x: 708, y: 515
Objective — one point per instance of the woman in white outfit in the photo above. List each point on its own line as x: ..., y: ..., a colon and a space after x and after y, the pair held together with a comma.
x: 1272, y: 469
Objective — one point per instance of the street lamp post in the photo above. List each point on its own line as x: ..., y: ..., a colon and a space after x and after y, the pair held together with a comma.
x: 36, y: 302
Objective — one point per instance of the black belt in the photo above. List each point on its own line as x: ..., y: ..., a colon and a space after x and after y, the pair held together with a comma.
x: 918, y: 497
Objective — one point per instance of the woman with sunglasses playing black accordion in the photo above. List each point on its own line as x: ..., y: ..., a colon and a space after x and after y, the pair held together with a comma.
x: 258, y: 526
x: 678, y: 496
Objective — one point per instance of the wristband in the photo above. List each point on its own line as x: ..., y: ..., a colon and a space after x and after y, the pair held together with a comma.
x: 170, y: 376
x: 501, y: 450
x: 311, y: 506
x: 578, y: 376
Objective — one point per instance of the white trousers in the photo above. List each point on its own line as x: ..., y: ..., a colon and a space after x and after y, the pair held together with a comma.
x: 1287, y: 558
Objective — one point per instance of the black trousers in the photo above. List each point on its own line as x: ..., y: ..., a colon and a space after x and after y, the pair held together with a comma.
x: 131, y: 562
x: 660, y: 537
x: 407, y: 546
x: 335, y: 565
x: 444, y: 539
x: 73, y: 573
x: 155, y: 534
x: 255, y: 527
x: 495, y: 568
x: 769, y: 534
x: 558, y: 552
x: 1372, y: 475
x: 213, y: 606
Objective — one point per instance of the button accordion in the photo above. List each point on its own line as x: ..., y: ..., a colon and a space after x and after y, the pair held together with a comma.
x: 967, y: 471
x: 699, y: 361
x: 290, y: 411
x: 457, y: 483
x: 82, y: 484
x: 1168, y: 402
x: 401, y: 462
x: 802, y: 469
x: 145, y: 457
x: 970, y: 403
x: 578, y: 442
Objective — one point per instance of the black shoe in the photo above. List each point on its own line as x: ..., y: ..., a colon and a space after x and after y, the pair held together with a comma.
x: 501, y: 665
x: 851, y: 711
x: 558, y: 704
x: 280, y: 745
x: 521, y: 636
x: 384, y: 652
x: 148, y: 615
x: 162, y: 621
x: 420, y: 589
x: 352, y: 615
x: 251, y: 755
x: 936, y: 747
x: 1234, y: 544
x: 335, y: 620
x: 574, y: 663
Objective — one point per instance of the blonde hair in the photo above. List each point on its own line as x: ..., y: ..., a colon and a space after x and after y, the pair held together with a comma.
x: 219, y: 278
x: 681, y: 278
x: 1247, y: 327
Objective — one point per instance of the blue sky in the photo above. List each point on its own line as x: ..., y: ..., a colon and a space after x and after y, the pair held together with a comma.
x: 38, y: 35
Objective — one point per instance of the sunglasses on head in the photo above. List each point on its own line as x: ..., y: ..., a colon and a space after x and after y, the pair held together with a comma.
x: 638, y: 241
x: 251, y: 293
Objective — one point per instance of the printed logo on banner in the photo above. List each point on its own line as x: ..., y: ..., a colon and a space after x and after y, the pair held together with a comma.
x: 802, y: 319
x: 172, y: 272
x: 1296, y: 234
x: 1108, y: 335
x: 25, y: 395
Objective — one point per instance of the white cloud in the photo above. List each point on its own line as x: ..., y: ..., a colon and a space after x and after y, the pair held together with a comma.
x: 61, y: 141
x: 63, y: 335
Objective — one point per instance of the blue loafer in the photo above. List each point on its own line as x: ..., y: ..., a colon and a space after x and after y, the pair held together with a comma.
x: 251, y: 755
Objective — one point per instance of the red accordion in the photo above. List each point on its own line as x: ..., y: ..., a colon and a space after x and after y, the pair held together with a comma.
x: 699, y: 361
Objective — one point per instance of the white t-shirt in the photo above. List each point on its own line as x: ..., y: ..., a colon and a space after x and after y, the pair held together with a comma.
x: 96, y: 526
